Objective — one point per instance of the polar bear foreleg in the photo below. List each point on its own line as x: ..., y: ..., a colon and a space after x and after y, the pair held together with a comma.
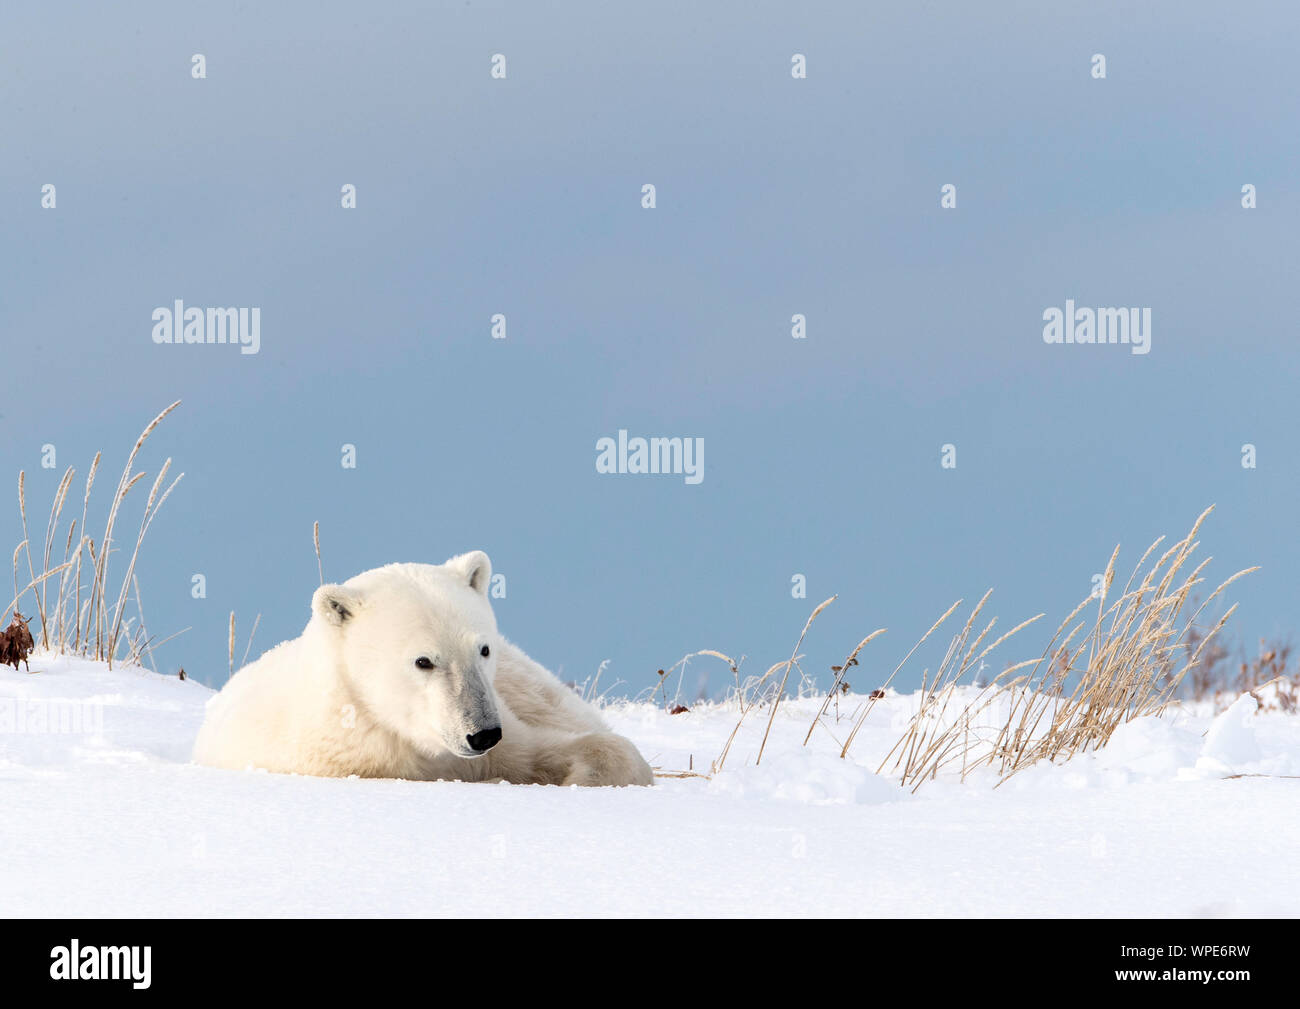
x: 528, y: 755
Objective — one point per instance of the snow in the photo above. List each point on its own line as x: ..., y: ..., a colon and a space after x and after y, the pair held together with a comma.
x: 805, y: 776
x: 108, y: 818
x: 1230, y: 743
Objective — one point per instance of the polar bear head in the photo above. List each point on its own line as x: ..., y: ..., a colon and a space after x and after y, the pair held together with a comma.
x: 417, y: 645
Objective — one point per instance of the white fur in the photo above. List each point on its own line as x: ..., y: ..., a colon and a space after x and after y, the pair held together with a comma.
x: 346, y: 697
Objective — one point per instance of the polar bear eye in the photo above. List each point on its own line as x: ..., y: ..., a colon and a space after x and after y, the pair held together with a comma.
x: 485, y: 651
x: 424, y: 662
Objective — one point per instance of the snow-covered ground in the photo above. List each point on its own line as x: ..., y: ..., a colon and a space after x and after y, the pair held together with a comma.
x: 105, y: 816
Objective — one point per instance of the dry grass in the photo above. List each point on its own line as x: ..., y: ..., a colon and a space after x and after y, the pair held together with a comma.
x: 785, y: 678
x: 1224, y: 673
x: 749, y: 695
x: 1127, y: 660
x: 97, y: 628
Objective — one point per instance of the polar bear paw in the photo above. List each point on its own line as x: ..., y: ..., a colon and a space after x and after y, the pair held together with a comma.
x: 603, y: 758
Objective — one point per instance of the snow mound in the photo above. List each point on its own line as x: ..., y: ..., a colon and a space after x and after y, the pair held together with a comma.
x: 1243, y: 741
x: 1230, y: 743
x: 1150, y: 749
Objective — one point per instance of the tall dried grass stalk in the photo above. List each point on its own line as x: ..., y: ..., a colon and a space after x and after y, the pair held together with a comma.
x: 794, y: 656
x: 97, y: 627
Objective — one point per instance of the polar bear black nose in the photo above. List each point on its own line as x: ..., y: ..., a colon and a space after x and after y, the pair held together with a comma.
x: 484, y: 740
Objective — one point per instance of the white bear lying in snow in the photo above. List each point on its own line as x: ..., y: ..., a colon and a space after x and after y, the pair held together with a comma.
x: 401, y: 673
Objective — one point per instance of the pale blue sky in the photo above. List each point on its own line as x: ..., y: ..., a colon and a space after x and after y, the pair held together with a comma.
x: 775, y: 196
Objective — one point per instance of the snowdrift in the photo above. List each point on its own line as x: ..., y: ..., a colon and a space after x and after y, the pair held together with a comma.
x: 1191, y: 814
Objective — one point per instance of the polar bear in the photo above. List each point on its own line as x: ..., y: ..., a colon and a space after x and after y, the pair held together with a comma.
x: 402, y: 673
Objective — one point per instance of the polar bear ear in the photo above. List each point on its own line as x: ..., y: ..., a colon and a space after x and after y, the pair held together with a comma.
x: 335, y: 604
x: 475, y: 568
